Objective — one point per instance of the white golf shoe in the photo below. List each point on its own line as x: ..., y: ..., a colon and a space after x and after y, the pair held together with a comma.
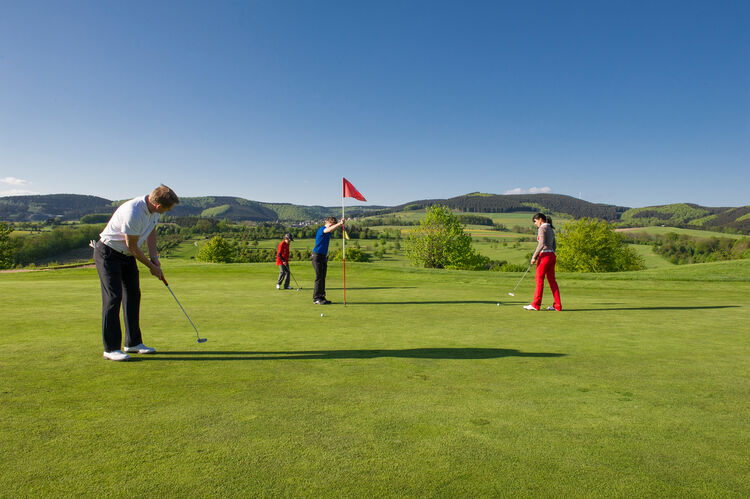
x: 529, y: 307
x: 140, y: 348
x: 552, y: 309
x: 116, y: 355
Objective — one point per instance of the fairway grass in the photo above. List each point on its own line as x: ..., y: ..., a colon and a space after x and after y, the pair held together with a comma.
x: 421, y: 386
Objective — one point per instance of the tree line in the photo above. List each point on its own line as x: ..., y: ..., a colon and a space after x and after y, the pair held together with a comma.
x: 496, y: 203
x: 681, y: 249
x: 686, y: 249
x: 22, y: 251
x: 439, y: 241
x: 53, y: 239
x: 585, y: 245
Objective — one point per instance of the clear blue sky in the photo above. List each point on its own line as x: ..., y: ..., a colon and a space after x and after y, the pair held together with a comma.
x: 625, y: 102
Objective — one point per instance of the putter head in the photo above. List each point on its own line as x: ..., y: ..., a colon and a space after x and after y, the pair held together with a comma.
x: 202, y: 340
x: 511, y: 294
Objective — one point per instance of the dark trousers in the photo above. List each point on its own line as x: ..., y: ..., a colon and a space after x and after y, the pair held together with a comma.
x: 284, y: 275
x: 320, y: 264
x: 118, y: 274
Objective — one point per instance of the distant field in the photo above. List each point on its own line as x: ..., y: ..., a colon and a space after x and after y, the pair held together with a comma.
x: 503, y: 246
x: 650, y: 259
x: 688, y: 232
x: 488, y: 242
x: 522, y: 219
x: 513, y: 252
x: 188, y: 249
x: 421, y: 387
x: 481, y: 232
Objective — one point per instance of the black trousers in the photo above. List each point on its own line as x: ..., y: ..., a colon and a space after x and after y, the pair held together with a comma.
x: 284, y: 275
x: 320, y: 264
x: 118, y: 274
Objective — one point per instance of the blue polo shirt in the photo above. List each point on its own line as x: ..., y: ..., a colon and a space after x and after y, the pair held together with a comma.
x: 321, y: 241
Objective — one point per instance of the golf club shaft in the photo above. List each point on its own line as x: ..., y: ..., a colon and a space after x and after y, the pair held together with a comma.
x: 290, y: 273
x: 183, y: 309
x: 524, y: 275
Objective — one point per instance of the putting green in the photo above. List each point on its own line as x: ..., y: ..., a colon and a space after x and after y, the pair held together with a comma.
x: 421, y: 386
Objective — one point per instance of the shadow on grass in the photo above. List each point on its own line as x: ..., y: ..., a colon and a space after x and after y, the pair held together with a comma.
x: 607, y: 309
x: 427, y: 302
x: 373, y: 287
x: 408, y: 353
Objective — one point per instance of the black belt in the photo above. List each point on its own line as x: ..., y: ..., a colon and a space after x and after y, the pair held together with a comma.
x: 115, y: 250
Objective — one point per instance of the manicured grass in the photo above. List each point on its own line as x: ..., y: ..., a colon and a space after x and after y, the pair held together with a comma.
x: 421, y: 386
x: 651, y: 259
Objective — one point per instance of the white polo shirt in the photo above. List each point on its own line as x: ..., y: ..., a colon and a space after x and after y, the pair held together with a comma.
x: 130, y: 219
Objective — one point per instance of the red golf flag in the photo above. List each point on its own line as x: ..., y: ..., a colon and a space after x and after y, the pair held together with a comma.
x: 351, y: 192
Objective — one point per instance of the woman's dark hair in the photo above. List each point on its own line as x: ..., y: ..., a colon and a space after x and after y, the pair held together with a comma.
x: 545, y: 218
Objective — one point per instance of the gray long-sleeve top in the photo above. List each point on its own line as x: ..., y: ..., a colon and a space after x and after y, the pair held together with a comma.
x: 546, y: 238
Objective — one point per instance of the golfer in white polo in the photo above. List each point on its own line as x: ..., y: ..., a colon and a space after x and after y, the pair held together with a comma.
x: 115, y: 255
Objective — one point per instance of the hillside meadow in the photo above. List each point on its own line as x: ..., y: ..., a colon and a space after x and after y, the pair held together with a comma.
x: 505, y: 245
x: 695, y: 233
x: 513, y: 244
x: 428, y: 383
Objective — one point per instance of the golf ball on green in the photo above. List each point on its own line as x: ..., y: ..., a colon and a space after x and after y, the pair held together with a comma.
x: 322, y: 315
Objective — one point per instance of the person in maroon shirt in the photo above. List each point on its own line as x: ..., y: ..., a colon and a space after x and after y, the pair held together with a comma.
x: 282, y: 260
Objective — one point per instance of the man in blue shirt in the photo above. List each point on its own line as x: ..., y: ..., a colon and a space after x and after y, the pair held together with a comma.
x: 320, y: 259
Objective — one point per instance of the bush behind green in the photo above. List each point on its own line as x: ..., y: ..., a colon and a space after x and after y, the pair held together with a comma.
x: 591, y: 245
x: 6, y: 246
x: 217, y: 250
x: 353, y: 254
x: 440, y: 242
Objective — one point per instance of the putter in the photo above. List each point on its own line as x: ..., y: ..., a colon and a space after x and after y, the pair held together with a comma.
x: 200, y: 340
x: 295, y: 279
x: 513, y: 293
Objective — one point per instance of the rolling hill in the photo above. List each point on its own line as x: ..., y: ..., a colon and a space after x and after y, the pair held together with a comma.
x: 68, y: 207
x: 690, y: 216
x: 231, y: 208
x: 73, y: 206
x: 43, y: 207
x: 478, y: 202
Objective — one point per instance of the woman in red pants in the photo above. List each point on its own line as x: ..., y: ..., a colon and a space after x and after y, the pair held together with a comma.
x: 545, y: 259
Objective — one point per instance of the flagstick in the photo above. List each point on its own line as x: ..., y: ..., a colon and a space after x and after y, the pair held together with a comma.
x: 343, y: 245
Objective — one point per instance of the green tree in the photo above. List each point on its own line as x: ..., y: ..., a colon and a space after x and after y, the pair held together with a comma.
x: 95, y: 218
x: 6, y: 246
x: 353, y: 254
x: 217, y: 250
x: 440, y: 242
x: 592, y: 245
x: 205, y: 225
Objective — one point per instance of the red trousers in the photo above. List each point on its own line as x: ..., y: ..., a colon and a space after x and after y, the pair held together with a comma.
x: 545, y: 267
